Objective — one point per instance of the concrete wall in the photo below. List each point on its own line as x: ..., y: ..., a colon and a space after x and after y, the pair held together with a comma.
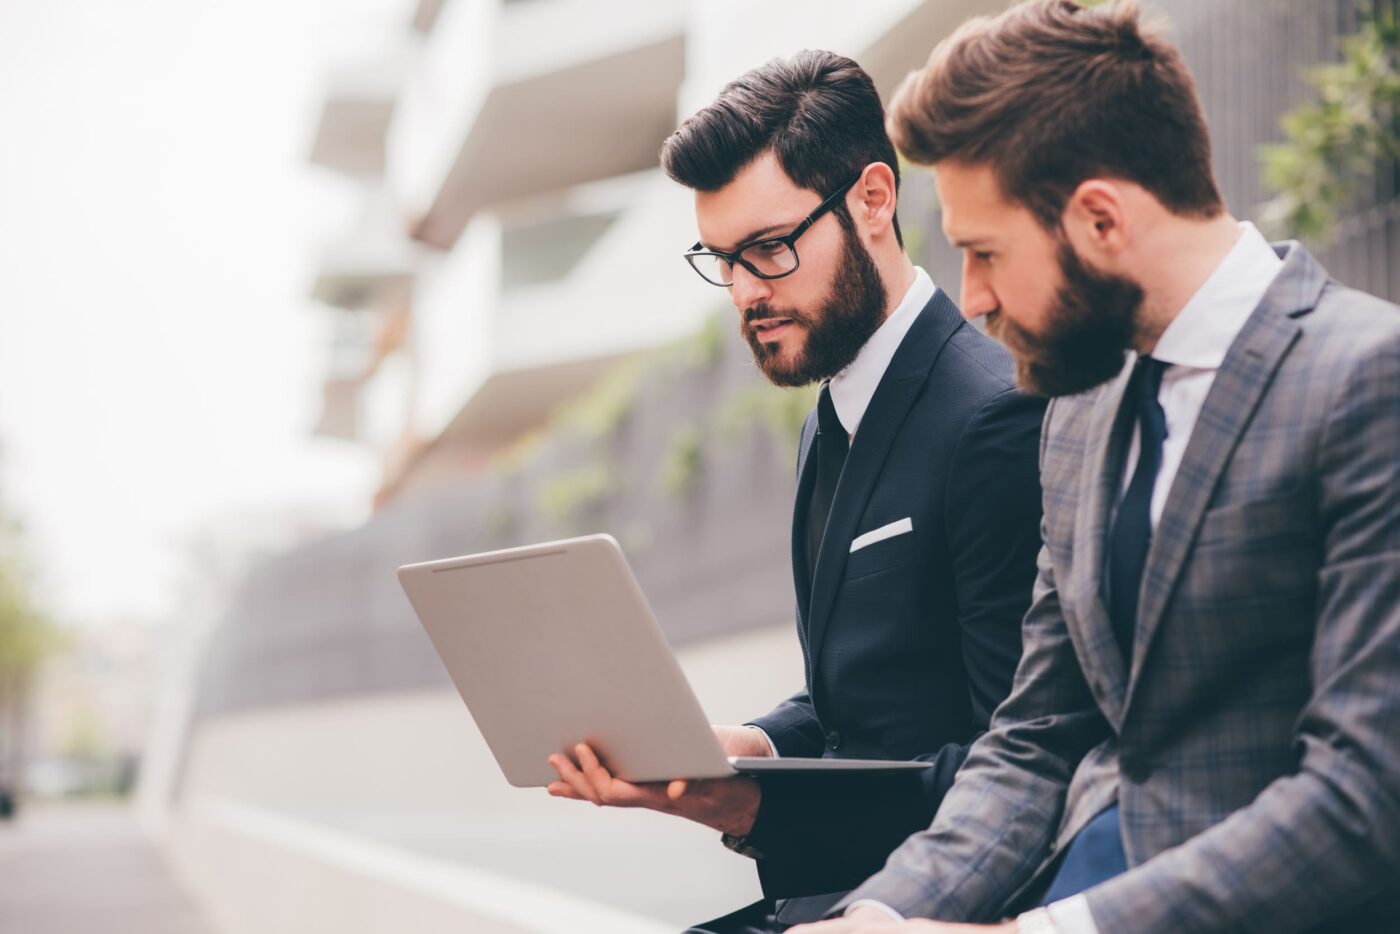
x: 387, y: 812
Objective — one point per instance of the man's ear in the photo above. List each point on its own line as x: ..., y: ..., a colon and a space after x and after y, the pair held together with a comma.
x: 1095, y: 219
x: 872, y: 199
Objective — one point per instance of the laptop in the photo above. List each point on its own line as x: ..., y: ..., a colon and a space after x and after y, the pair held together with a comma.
x: 554, y: 644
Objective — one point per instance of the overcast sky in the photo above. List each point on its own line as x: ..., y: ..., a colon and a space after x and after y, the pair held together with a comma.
x: 159, y: 364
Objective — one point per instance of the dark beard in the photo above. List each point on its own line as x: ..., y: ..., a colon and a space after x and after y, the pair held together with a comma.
x: 1089, y: 326
x: 853, y: 311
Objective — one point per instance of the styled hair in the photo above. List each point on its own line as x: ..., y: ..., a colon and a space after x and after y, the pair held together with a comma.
x: 1049, y: 94
x: 818, y: 112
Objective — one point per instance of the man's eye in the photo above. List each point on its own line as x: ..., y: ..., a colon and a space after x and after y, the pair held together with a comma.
x: 982, y: 256
x: 767, y: 248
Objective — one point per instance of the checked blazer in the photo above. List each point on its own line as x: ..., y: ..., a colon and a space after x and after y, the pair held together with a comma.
x: 1252, y: 741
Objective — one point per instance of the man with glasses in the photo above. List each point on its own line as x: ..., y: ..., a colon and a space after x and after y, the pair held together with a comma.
x: 916, y: 523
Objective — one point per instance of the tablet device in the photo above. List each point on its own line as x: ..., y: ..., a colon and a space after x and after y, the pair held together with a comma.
x: 554, y: 644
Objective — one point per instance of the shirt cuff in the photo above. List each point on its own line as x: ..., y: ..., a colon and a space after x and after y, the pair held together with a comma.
x: 772, y: 750
x: 871, y: 903
x: 1072, y: 916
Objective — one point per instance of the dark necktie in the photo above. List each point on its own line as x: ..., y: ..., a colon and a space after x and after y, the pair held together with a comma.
x: 1131, y: 535
x: 832, y: 445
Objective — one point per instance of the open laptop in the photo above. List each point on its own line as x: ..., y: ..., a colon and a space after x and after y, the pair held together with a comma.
x: 552, y: 645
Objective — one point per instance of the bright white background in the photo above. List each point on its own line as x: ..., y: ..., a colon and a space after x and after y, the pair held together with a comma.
x: 159, y: 366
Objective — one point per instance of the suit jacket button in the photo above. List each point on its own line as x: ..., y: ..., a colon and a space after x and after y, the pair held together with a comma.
x: 1135, y: 770
x: 833, y: 740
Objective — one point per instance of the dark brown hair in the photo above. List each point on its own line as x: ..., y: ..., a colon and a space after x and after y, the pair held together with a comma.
x: 818, y: 112
x: 1050, y: 94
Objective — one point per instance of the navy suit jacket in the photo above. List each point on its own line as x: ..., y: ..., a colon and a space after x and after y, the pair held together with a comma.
x: 910, y: 642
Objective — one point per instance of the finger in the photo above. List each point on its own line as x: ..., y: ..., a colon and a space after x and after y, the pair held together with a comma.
x: 609, y: 790
x: 575, y: 779
x: 614, y: 791
x: 676, y: 789
x: 562, y: 790
x: 600, y: 778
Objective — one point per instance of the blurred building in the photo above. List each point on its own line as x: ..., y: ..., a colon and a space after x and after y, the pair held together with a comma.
x: 496, y: 313
x: 510, y: 198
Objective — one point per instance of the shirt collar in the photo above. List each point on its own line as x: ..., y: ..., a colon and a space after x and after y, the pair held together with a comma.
x: 1202, y: 332
x: 853, y: 387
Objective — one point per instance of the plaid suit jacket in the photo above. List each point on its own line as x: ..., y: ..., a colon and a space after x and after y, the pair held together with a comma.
x: 1253, y: 740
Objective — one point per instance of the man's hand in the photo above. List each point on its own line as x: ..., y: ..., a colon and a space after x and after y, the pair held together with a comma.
x: 866, y: 920
x: 729, y: 805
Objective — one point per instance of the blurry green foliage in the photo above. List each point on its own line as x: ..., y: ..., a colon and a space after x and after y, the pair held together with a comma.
x: 565, y: 494
x: 26, y: 636
x: 1334, y: 143
x: 684, y: 460
x: 599, y: 412
x: 781, y: 411
x: 601, y: 409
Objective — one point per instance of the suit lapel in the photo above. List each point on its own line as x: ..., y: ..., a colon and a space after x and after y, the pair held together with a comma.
x: 905, y: 376
x: 1098, y: 491
x: 1244, y: 376
x: 806, y: 477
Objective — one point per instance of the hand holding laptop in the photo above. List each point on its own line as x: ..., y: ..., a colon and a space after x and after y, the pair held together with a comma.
x: 728, y: 805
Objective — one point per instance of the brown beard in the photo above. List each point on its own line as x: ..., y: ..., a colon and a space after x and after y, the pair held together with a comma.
x: 1089, y: 326
x: 854, y: 310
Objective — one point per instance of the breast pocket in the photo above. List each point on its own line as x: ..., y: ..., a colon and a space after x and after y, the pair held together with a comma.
x: 1255, y: 554
x: 1276, y: 519
x: 884, y: 548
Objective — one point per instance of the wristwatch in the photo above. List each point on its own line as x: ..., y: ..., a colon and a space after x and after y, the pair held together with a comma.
x: 741, y: 846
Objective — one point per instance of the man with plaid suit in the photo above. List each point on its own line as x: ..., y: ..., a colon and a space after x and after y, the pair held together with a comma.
x: 1204, y: 730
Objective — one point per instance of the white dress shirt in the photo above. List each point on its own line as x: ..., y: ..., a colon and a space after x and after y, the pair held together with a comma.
x: 1193, y: 346
x: 854, y: 387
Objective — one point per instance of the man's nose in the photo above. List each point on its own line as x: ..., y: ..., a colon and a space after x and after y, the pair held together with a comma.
x: 978, y: 299
x: 748, y: 289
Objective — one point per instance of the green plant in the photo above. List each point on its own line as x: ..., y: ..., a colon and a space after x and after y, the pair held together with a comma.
x: 684, y: 460
x: 563, y: 495
x: 1334, y: 143
x: 599, y: 410
x: 26, y: 636
x: 781, y: 411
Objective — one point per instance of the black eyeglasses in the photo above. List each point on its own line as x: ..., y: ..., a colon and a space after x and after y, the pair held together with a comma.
x: 769, y: 258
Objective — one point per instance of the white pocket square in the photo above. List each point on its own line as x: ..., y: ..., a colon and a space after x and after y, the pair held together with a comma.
x: 898, y: 527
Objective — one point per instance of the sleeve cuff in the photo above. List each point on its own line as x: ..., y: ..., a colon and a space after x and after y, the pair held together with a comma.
x: 1072, y: 916
x: 772, y: 750
x: 881, y: 906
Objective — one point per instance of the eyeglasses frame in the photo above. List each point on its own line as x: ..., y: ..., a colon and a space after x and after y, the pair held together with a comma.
x: 788, y: 239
